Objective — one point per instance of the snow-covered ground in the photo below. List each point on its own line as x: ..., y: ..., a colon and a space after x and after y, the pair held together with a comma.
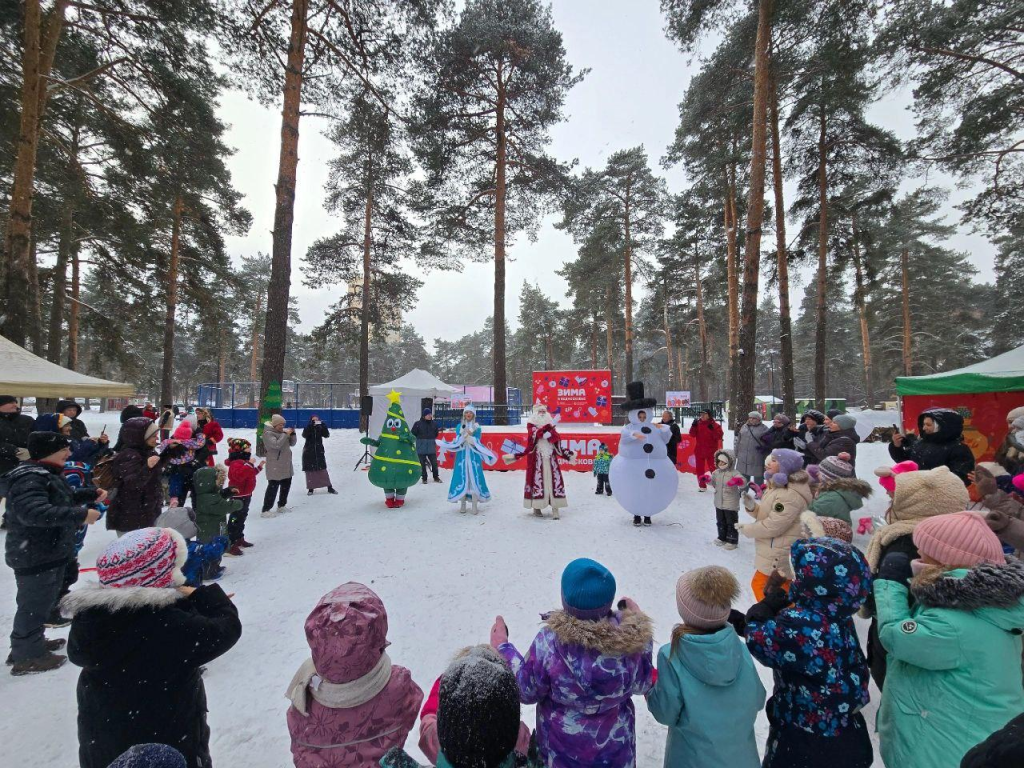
x: 442, y: 576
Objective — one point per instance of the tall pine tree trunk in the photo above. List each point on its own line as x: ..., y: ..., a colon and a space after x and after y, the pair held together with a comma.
x: 782, y: 264
x: 862, y: 315
x: 35, y: 312
x: 254, y: 341
x: 702, y: 328
x: 60, y: 283
x: 908, y: 360
x: 732, y: 293
x: 820, y: 315
x: 498, y: 344
x: 609, y: 314
x: 275, y: 339
x: 73, y: 315
x: 628, y: 302
x: 755, y: 208
x: 364, y: 309
x: 39, y: 41
x: 668, y: 337
x: 593, y: 341
x: 171, y: 306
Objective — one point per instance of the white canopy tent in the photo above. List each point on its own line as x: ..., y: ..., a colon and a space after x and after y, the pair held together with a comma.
x: 23, y: 374
x: 413, y: 386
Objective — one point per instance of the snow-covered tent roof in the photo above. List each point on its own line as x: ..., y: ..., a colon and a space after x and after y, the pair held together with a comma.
x: 23, y: 374
x: 416, y: 382
x: 1002, y: 373
x: 413, y: 387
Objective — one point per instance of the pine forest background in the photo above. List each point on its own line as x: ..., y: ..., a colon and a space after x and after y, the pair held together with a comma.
x: 115, y: 195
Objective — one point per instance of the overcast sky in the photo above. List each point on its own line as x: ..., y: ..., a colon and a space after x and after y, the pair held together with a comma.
x: 630, y: 97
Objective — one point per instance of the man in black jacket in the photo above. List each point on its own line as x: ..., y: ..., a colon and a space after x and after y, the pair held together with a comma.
x: 426, y: 431
x: 73, y: 410
x: 14, y: 431
x: 43, y: 513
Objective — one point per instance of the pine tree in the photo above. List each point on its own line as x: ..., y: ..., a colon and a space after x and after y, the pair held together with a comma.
x: 366, y: 188
x: 306, y: 51
x: 495, y: 85
x: 627, y: 194
x: 832, y: 136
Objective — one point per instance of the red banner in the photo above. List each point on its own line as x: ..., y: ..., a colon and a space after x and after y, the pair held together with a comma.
x: 984, y: 416
x: 585, y: 444
x: 579, y: 396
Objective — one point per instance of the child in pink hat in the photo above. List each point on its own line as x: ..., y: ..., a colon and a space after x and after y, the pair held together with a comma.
x: 953, y: 633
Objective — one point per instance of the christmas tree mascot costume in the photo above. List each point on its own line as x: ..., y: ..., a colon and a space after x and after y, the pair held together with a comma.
x: 470, y: 454
x: 544, y: 484
x: 395, y: 466
x: 644, y: 478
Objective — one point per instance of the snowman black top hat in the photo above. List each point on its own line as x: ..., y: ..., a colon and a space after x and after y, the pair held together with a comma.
x: 635, y: 399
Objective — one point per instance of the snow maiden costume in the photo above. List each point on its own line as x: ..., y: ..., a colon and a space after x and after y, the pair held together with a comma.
x: 544, y: 484
x: 468, y: 473
x: 644, y: 478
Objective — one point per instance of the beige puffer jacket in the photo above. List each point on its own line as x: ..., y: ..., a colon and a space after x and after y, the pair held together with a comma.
x: 778, y: 523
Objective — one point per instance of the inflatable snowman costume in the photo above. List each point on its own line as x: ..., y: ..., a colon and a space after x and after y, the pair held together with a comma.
x: 644, y: 478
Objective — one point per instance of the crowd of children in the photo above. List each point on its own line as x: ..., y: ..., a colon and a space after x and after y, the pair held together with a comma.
x: 944, y: 645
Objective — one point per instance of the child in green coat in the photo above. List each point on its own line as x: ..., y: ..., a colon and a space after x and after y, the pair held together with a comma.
x: 212, y: 506
x: 708, y: 692
x: 953, y: 633
x: 839, y: 494
x: 602, y: 465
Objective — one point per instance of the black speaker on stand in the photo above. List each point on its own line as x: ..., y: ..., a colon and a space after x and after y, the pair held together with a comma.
x: 365, y: 412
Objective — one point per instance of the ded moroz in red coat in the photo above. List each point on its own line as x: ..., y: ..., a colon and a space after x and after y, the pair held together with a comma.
x: 543, y: 450
x: 709, y: 438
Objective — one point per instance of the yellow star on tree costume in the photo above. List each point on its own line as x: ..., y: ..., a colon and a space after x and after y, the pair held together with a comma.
x: 395, y: 465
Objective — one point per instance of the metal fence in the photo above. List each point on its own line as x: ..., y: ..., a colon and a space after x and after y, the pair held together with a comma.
x: 294, y: 395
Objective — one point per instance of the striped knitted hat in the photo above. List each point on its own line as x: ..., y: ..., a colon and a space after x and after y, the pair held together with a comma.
x: 149, y: 557
x: 958, y: 540
x: 835, y: 467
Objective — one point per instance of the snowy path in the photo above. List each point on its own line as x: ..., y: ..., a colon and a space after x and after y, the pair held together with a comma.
x: 443, y: 577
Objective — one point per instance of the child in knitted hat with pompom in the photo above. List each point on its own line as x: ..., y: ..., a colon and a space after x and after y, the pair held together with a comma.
x: 777, y: 516
x: 708, y: 692
x: 951, y: 622
x: 140, y: 637
x: 839, y: 494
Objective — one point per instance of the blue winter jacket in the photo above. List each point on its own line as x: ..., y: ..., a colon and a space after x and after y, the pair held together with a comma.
x: 199, y: 555
x: 708, y: 694
x: 821, y: 675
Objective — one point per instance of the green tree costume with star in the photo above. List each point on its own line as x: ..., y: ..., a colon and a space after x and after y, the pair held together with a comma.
x: 395, y: 466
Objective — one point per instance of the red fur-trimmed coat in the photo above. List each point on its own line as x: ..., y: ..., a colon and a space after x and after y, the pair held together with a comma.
x: 534, y: 489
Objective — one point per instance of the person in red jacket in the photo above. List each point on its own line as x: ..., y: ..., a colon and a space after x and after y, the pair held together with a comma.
x: 242, y: 480
x: 708, y: 434
x: 206, y: 424
x: 150, y: 412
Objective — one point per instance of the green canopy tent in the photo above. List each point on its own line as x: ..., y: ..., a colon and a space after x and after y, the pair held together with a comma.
x: 983, y: 393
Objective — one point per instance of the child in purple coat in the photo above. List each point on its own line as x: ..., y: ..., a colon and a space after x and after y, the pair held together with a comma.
x: 583, y: 669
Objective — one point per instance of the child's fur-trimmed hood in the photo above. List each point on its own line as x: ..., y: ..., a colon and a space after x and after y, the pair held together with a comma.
x: 625, y: 634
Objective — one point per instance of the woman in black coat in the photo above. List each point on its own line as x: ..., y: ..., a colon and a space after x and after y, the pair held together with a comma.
x: 939, y: 443
x: 141, y: 649
x: 314, y: 458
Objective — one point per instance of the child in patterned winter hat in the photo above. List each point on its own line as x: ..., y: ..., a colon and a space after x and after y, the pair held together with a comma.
x: 839, y: 495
